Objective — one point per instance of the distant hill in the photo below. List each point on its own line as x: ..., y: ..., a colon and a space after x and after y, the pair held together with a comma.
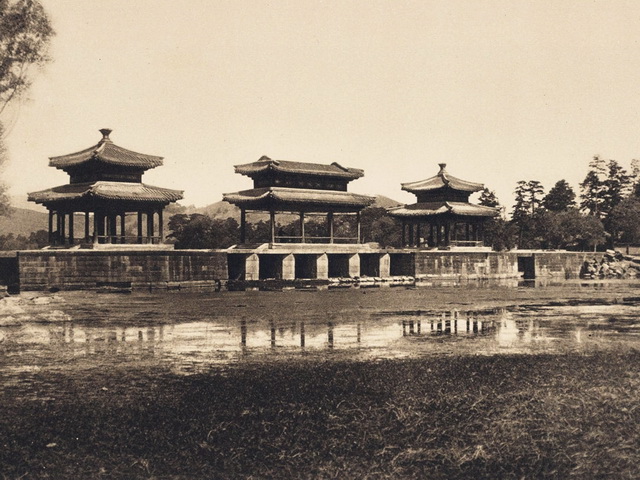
x: 20, y: 201
x: 385, y: 202
x: 23, y: 221
x: 223, y: 210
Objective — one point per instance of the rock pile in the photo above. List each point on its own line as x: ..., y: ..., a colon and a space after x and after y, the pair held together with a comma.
x: 613, y: 265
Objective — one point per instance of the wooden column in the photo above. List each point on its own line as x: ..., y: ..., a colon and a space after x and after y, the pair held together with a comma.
x: 330, y: 222
x: 411, y: 242
x: 358, y: 226
x: 86, y: 226
x: 71, y: 228
x: 272, y: 225
x: 160, y: 226
x: 438, y: 234
x: 113, y: 228
x: 96, y: 226
x: 467, y: 236
x: 431, y: 239
x: 302, y: 227
x: 123, y: 217
x: 447, y: 234
x: 150, y: 226
x: 50, y: 227
x: 62, y: 229
x: 140, y: 234
x: 404, y: 233
x: 418, y: 234
x: 243, y: 225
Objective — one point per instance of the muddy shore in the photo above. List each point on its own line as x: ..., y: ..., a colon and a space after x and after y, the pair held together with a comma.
x: 82, y: 413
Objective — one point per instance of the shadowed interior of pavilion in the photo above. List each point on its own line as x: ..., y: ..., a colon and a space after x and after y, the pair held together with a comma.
x: 307, y: 190
x: 443, y: 216
x: 105, y: 186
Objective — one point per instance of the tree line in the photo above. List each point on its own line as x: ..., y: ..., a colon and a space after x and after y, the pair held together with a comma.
x: 605, y: 214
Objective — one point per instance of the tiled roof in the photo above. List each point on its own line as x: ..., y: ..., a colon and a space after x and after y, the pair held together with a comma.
x: 328, y: 170
x: 298, y: 195
x: 107, y: 191
x: 442, y: 179
x: 438, y: 208
x: 108, y: 152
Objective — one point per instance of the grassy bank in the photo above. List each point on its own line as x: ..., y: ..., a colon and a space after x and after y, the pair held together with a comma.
x: 457, y: 417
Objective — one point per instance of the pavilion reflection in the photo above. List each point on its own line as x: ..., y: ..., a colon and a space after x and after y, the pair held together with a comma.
x: 451, y: 323
x: 199, y: 338
x: 207, y: 342
x: 89, y: 340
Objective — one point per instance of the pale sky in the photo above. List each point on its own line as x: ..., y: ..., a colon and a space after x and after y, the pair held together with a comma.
x: 499, y: 90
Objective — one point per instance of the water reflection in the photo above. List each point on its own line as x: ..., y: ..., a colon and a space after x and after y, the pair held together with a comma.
x: 450, y: 325
x: 189, y: 346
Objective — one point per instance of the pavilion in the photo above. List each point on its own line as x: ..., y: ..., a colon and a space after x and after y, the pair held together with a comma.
x: 302, y: 189
x: 443, y: 216
x: 105, y: 185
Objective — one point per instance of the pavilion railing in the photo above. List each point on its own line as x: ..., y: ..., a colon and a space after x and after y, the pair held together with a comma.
x: 128, y: 239
x: 466, y: 243
x: 299, y: 239
x: 113, y: 239
x: 109, y: 239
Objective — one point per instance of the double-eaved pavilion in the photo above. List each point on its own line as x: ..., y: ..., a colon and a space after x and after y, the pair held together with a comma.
x: 105, y: 184
x: 443, y: 216
x: 282, y: 186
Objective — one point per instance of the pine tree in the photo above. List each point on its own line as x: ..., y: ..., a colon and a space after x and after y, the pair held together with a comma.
x: 593, y: 187
x: 535, y: 191
x: 560, y: 198
x: 635, y: 178
x: 526, y: 211
x: 488, y: 198
x: 617, y: 186
x: 522, y: 206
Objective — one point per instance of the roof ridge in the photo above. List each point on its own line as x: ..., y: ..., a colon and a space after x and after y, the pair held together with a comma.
x: 340, y: 166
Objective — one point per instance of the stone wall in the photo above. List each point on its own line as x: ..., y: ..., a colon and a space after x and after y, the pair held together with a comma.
x: 562, y: 264
x: 446, y: 264
x: 83, y: 269
x: 86, y: 269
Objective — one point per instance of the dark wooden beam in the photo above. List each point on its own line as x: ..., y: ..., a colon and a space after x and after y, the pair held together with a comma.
x: 330, y: 222
x: 140, y: 233
x: 243, y: 225
x: 272, y: 225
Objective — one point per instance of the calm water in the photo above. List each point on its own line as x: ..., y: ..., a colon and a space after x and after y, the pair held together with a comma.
x: 189, y: 332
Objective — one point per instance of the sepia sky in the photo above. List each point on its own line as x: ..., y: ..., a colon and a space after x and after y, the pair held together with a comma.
x: 499, y: 90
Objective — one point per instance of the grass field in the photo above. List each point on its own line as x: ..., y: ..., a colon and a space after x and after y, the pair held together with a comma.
x: 555, y: 416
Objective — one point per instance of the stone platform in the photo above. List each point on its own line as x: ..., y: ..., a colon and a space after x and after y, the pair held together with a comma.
x: 153, y: 268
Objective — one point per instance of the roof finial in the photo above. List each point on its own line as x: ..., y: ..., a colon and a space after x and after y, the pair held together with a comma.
x: 442, y: 167
x: 105, y: 134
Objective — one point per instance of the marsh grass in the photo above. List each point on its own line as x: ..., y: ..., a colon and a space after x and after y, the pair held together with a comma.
x: 568, y: 416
